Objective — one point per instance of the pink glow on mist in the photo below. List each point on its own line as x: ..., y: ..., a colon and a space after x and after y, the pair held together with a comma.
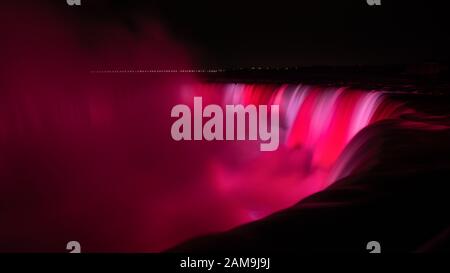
x: 90, y: 158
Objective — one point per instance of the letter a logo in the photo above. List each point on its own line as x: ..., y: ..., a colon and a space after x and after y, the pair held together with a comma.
x: 74, y: 2
x: 374, y: 2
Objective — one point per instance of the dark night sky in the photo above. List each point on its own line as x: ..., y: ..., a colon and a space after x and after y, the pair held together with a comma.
x: 303, y: 32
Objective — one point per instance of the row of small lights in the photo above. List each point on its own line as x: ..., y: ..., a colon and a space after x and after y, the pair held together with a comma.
x: 160, y: 71
x: 181, y: 70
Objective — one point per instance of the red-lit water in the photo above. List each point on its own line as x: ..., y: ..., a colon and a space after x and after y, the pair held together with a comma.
x: 317, y: 123
x: 89, y: 157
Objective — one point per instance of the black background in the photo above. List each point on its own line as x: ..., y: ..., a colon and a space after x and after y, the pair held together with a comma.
x: 232, y: 33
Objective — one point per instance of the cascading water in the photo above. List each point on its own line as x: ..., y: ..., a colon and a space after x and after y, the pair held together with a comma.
x: 175, y: 190
x: 89, y: 157
x: 316, y: 123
